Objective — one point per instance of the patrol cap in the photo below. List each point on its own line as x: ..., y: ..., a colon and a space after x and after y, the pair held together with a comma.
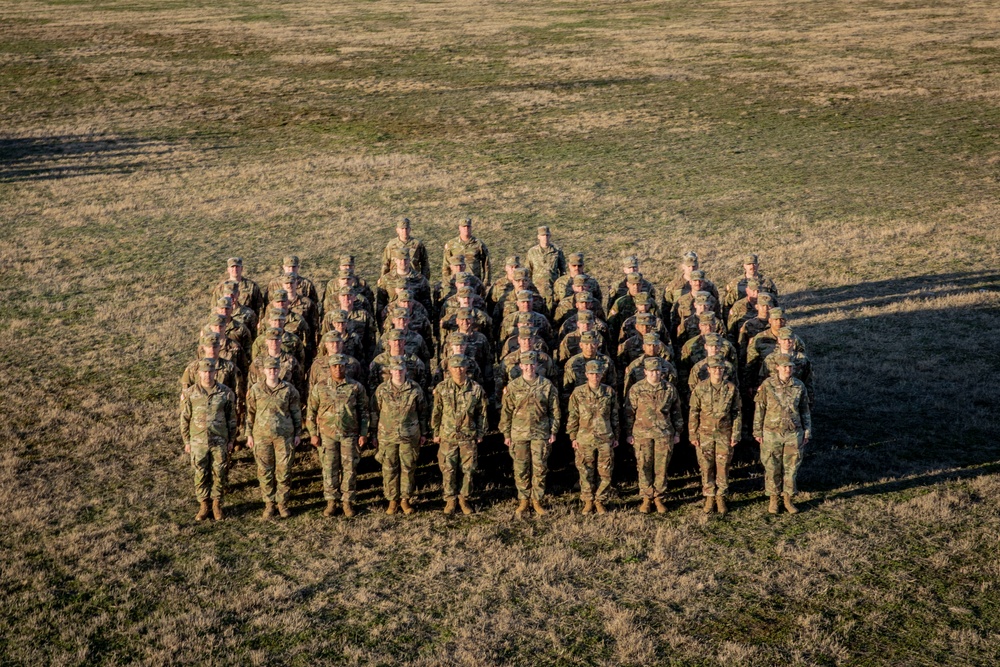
x: 713, y: 339
x: 290, y: 260
x: 544, y: 230
x: 210, y: 340
x: 338, y: 315
x: 463, y: 277
x: 456, y: 260
x: 633, y: 278
x: 397, y: 364
x: 524, y: 295
x: 332, y: 336
x: 277, y: 314
x: 399, y: 313
x: 765, y: 298
x: 207, y: 365
x: 652, y: 364
x: 290, y: 279
x: 463, y: 314
x: 697, y: 274
x: 394, y: 334
x: 583, y: 297
x: 530, y: 357
x: 585, y: 316
x: 465, y: 291
x: 526, y: 332
x: 272, y: 362
x: 785, y: 333
x: 777, y: 313
x: 580, y: 279
x: 403, y: 224
x: 230, y: 287
x: 650, y: 339
x: 234, y: 261
x: 401, y: 252
x: 706, y: 318
x: 404, y: 295
x: 345, y: 290
x: 521, y: 274
x: 466, y: 222
x: 753, y: 284
x: 512, y: 260
x: 702, y: 298
x: 783, y: 360
x: 595, y: 366
x: 346, y: 260
x: 458, y: 361
x: 646, y: 319
x: 216, y: 320
x: 457, y: 338
x: 689, y: 259
x: 642, y: 298
x: 272, y: 333
x: 279, y: 295
x: 717, y: 361
x: 750, y: 258
x: 588, y: 337
x: 576, y: 259
x: 224, y: 302
x: 338, y: 360
x: 630, y: 262
x: 346, y: 273
x: 524, y: 318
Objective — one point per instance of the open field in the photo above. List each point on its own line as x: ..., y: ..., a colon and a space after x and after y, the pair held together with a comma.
x: 852, y: 143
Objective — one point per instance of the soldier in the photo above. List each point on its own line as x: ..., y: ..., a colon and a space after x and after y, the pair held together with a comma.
x: 575, y: 371
x: 624, y: 306
x: 546, y: 263
x: 337, y: 422
x: 228, y: 348
x: 415, y: 343
x: 350, y: 332
x: 508, y: 303
x: 652, y: 347
x: 527, y: 341
x: 302, y: 305
x: 644, y: 304
x: 801, y: 366
x: 568, y: 304
x: 688, y: 328
x: 333, y: 343
x: 457, y: 345
x: 235, y: 329
x: 564, y: 286
x: 289, y: 368
x: 400, y: 421
x: 763, y: 344
x: 631, y: 349
x: 570, y: 344
x: 420, y: 319
x: 363, y: 296
x: 226, y: 371
x: 714, y: 427
x: 529, y: 420
x: 274, y: 430
x: 249, y: 294
x: 525, y: 316
x: 503, y: 284
x: 457, y: 269
x: 465, y: 301
x: 476, y: 254
x: 592, y: 426
x: 276, y: 319
x: 629, y: 266
x: 653, y: 422
x: 346, y: 268
x: 736, y: 289
x: 754, y: 325
x: 359, y: 320
x: 713, y: 348
x: 208, y: 429
x: 242, y: 314
x: 418, y: 252
x: 402, y: 277
x: 743, y: 309
x: 684, y: 305
x: 306, y: 287
x: 480, y: 350
x: 378, y: 370
x: 676, y: 287
x: 694, y: 350
x: 782, y: 424
x: 458, y: 422
x: 584, y: 301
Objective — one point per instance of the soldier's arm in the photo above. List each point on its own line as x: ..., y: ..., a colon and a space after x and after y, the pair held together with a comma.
x: 312, y: 410
x: 423, y: 413
x: 185, y: 413
x: 481, y: 415
x: 373, y: 415
x: 629, y: 417
x: 573, y: 416
x: 425, y: 263
x: 614, y: 414
x: 561, y: 263
x: 231, y: 422
x: 363, y: 419
x: 758, y: 414
x: 386, y: 261
x: 506, y: 412
x: 806, y: 416
x: 295, y: 408
x: 736, y: 412
x: 436, y: 412
x: 694, y: 416
x: 556, y: 410
x: 251, y: 410
x: 487, y: 271
x: 807, y: 380
x: 186, y: 378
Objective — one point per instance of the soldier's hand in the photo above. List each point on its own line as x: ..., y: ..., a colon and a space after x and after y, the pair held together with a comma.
x: 552, y: 439
x: 187, y: 449
x: 677, y: 438
x: 576, y: 445
x: 298, y: 440
x: 805, y: 441
x: 437, y: 439
x: 507, y: 442
x: 614, y: 444
x: 230, y: 446
x: 314, y: 441
x: 422, y: 440
x: 630, y: 440
x: 760, y: 441
x: 694, y: 443
x: 249, y: 442
x: 362, y: 441
x: 732, y: 443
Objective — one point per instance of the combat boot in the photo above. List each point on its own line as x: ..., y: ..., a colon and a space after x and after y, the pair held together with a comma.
x: 539, y: 510
x: 348, y: 509
x: 268, y: 512
x: 588, y: 507
x: 463, y: 502
x: 789, y: 506
x: 522, y: 507
x: 203, y: 511
x: 773, y: 505
x: 449, y: 506
x: 661, y: 507
x: 393, y: 506
x: 283, y: 511
x: 646, y: 507
x: 709, y: 504
x: 331, y: 507
x: 720, y: 504
x: 405, y: 505
x: 217, y: 509
x: 599, y: 507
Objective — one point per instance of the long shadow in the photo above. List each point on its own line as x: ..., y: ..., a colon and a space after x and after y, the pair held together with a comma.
x: 57, y: 157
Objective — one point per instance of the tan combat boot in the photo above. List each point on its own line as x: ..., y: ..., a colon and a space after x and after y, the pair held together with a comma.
x: 348, y: 509
x: 463, y: 502
x: 268, y: 512
x: 393, y: 506
x: 522, y: 507
x: 449, y: 506
x: 599, y: 507
x: 789, y: 507
x: 331, y: 507
x: 720, y: 504
x: 661, y: 507
x: 646, y: 507
x: 217, y: 509
x: 283, y: 511
x: 709, y: 504
x: 773, y: 505
x: 203, y: 511
x: 539, y: 510
x: 405, y: 505
x: 588, y: 506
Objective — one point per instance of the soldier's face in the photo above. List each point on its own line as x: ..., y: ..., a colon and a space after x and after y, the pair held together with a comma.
x: 704, y: 328
x: 652, y: 377
x: 762, y: 311
x: 700, y: 308
x: 786, y: 344
x: 272, y: 375
x: 711, y: 350
x: 346, y: 267
x: 209, y: 352
x: 206, y: 378
x: 458, y: 349
x: 715, y: 374
x: 521, y: 284
x: 236, y: 273
x: 510, y: 269
x: 465, y: 232
x: 524, y: 344
x: 457, y: 374
x: 643, y: 329
x: 338, y: 371
x: 464, y: 324
x: 334, y: 347
x: 575, y: 269
x: 784, y: 372
x: 777, y: 323
x: 529, y: 371
x: 695, y: 285
x: 750, y: 269
x: 752, y: 294
x: 633, y: 288
x: 398, y: 377
x: 543, y: 240
x: 273, y: 348
x: 629, y: 269
x: 396, y: 347
x: 594, y: 380
x: 402, y: 265
x: 588, y: 349
x: 403, y: 233
x: 523, y: 306
x: 290, y: 269
x: 651, y: 350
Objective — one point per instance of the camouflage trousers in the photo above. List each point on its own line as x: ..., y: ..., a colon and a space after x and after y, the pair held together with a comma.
x: 652, y: 458
x: 274, y: 458
x: 209, y: 463
x: 454, y: 459
x: 531, y: 466
x: 781, y: 455
x: 593, y: 461
x: 339, y: 462
x: 399, y: 468
x: 714, y: 457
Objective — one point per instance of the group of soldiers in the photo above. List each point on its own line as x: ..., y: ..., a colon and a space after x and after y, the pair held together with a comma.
x: 535, y: 352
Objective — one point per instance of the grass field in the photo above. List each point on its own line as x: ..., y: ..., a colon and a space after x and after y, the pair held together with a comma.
x: 852, y: 143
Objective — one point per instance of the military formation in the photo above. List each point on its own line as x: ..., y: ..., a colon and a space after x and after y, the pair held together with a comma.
x: 538, y: 353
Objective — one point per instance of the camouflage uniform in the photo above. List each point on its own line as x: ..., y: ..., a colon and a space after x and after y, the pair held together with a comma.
x: 575, y: 372
x: 652, y: 419
x: 801, y: 370
x: 545, y: 265
x: 459, y: 420
x: 636, y: 371
x: 250, y: 294
x: 418, y: 255
x: 319, y: 372
x: 208, y: 427
x: 781, y: 422
x: 274, y: 419
x: 476, y: 254
x: 290, y: 371
x: 715, y: 422
x: 399, y: 416
x: 592, y: 423
x: 570, y: 345
x: 529, y: 416
x: 378, y: 370
x: 337, y: 413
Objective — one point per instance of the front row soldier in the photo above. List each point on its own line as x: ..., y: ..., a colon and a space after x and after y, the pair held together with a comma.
x: 529, y: 421
x: 274, y: 430
x: 782, y: 424
x: 208, y: 430
x: 337, y: 421
x: 458, y: 422
x: 400, y: 421
x: 714, y: 427
x: 653, y: 423
x: 592, y: 426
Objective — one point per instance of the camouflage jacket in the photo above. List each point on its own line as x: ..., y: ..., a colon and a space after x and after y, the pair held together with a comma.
x: 653, y: 412
x: 418, y: 256
x: 306, y: 288
x: 570, y: 346
x: 320, y: 371
x: 715, y: 412
x: 782, y: 407
x: 758, y: 349
x: 290, y: 343
x: 459, y: 413
x: 575, y: 372
x: 400, y: 414
x: 477, y: 258
x: 699, y: 374
x: 593, y: 415
x: 637, y: 372
x: 737, y: 289
x: 801, y: 369
x: 621, y: 290
x: 545, y: 265
x: 227, y: 374
x: 378, y: 371
x: 250, y: 294
x: 530, y: 410
x: 337, y: 410
x: 510, y: 366
x: 563, y: 288
x: 274, y: 412
x: 385, y: 289
x: 208, y: 416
